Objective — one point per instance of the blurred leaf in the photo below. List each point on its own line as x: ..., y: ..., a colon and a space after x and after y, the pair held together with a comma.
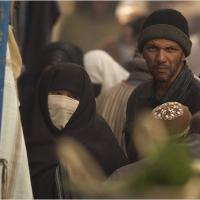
x: 150, y: 134
x: 169, y: 172
x: 83, y: 170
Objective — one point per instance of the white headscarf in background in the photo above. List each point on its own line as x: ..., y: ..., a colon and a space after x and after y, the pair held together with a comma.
x: 103, y: 69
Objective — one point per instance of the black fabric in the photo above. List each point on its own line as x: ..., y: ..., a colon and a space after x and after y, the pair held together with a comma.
x: 85, y: 126
x: 97, y: 89
x: 35, y: 22
x: 167, y: 16
x: 185, y: 89
x: 27, y: 84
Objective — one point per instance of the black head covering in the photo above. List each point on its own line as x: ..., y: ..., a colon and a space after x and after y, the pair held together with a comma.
x: 85, y: 126
x: 72, y: 78
x: 58, y: 52
x: 52, y: 54
x: 169, y: 24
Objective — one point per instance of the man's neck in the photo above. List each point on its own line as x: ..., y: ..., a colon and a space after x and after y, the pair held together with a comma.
x: 161, y: 89
x: 162, y: 86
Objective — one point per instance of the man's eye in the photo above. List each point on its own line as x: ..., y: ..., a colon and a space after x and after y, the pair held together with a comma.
x: 171, y: 49
x: 151, y: 48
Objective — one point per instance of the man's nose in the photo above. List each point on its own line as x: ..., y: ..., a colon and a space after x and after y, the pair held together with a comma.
x: 161, y: 56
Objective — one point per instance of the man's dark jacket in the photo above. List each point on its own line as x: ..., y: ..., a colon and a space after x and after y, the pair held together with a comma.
x: 185, y: 89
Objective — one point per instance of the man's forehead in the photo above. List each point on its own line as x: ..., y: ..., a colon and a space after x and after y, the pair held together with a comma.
x: 160, y: 42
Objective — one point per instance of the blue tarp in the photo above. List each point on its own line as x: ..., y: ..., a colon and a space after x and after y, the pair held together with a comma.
x: 4, y: 21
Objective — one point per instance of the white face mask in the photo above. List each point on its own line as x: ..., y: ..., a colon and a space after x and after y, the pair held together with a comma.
x: 61, y: 108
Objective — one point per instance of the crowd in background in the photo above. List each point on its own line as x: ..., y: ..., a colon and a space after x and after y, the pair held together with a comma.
x: 90, y: 80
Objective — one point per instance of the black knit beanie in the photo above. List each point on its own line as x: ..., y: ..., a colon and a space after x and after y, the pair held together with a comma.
x: 169, y: 24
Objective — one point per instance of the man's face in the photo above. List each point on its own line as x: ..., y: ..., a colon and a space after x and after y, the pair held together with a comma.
x: 165, y: 59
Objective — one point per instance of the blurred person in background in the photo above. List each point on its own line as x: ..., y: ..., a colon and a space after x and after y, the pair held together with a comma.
x: 103, y: 70
x: 194, y: 58
x: 123, y: 47
x: 33, y: 24
x: 111, y: 104
x: 89, y: 24
x: 56, y: 52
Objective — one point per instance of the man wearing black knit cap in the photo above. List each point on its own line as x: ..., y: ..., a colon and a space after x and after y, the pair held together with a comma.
x: 164, y: 42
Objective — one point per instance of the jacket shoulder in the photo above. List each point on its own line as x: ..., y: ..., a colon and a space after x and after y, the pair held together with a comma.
x: 142, y: 90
